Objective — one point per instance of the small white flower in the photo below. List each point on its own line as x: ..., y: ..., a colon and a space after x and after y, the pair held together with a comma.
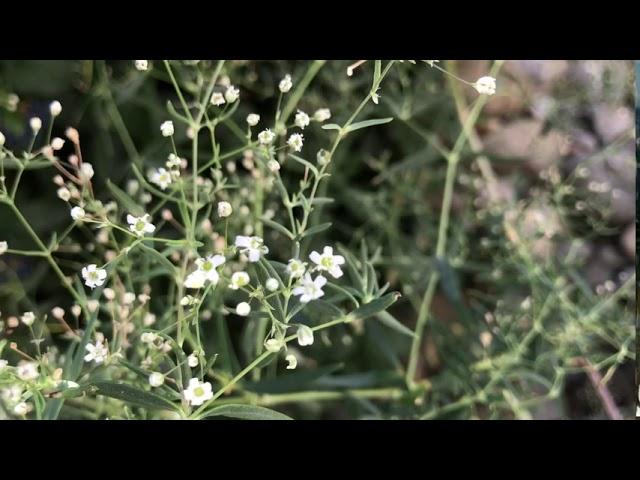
x: 167, y: 128
x: 322, y: 114
x: 305, y: 336
x: 148, y: 337
x: 285, y: 84
x: 173, y: 161
x: 265, y: 137
x: 253, y: 119
x: 192, y: 360
x: 296, y: 268
x: 217, y: 99
x: 272, y: 284
x: 3, y: 364
x: 140, y: 225
x: 96, y: 352
x: 27, y: 371
x: 142, y: 65
x: 273, y: 165
x: 231, y: 94
x: 295, y: 141
x: 292, y: 361
x: 251, y: 246
x: 160, y: 177
x: 243, y: 309
x: 485, y: 85
x: 64, y: 194
x: 273, y: 345
x: 194, y: 280
x: 55, y: 108
x: 12, y: 394
x: 323, y: 157
x: 21, y: 408
x: 36, y: 124
x: 239, y: 280
x: 128, y: 298
x: 198, y: 392
x: 86, y: 172
x: 77, y: 213
x: 208, y: 267
x: 4, y: 246
x: 309, y: 289
x: 302, y: 119
x: 156, y: 379
x: 57, y: 143
x: 2, y: 139
x: 28, y: 318
x: 224, y: 209
x: 93, y: 276
x: 328, y: 261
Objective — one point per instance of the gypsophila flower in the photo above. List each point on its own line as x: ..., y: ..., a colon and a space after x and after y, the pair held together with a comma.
x: 296, y: 268
x: 156, y: 379
x: 192, y: 360
x: 273, y: 345
x: 304, y: 335
x: 285, y: 84
x: 12, y: 394
x: 243, y: 309
x: 485, y: 85
x: 208, y: 267
x: 93, y: 276
x: 173, y: 161
x: 28, y: 318
x: 328, y: 261
x: 55, y: 108
x: 272, y: 284
x: 295, y: 141
x: 21, y: 408
x: 273, y: 165
x: 217, y: 99
x: 253, y: 119
x: 27, y: 371
x: 2, y: 139
x: 265, y: 137
x: 302, y: 119
x: 36, y: 124
x: 142, y: 65
x: 64, y: 194
x: 198, y: 392
x: 140, y: 225
x: 231, y: 94
x: 292, y: 361
x: 148, y: 337
x: 4, y: 246
x: 160, y: 177
x: 86, y: 172
x: 224, y: 209
x: 97, y: 353
x: 77, y: 213
x: 239, y: 280
x: 57, y: 143
x: 323, y: 156
x: 322, y: 114
x: 252, y: 247
x: 195, y: 280
x: 167, y: 128
x: 309, y: 289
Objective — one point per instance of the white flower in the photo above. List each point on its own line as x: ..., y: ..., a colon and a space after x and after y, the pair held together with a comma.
x: 305, y: 336
x: 140, y: 225
x: 57, y: 143
x: 272, y: 284
x: 86, y: 172
x: 302, y: 119
x: 2, y: 139
x: 97, y: 353
x: 21, y: 408
x: 322, y: 114
x: 4, y: 246
x: 485, y: 85
x: 217, y: 99
x: 3, y: 364
x: 12, y: 394
x: 77, y: 213
x: 292, y: 361
x: 27, y: 370
x: 231, y: 94
x: 328, y: 262
x: 28, y: 318
x: 224, y: 209
x: 167, y: 128
x: 160, y: 177
x: 148, y: 337
x: 273, y: 345
x: 253, y: 119
x: 64, y: 194
x: 36, y: 124
x: 243, y: 309
x: 296, y: 268
x: 273, y: 165
x: 142, y: 65
x: 265, y: 137
x: 251, y: 246
x: 173, y: 161
x: 93, y: 276
x: 295, y: 141
x: 285, y: 84
x: 239, y: 280
x: 55, y: 108
x: 198, y: 392
x: 192, y: 360
x: 323, y: 157
x: 208, y: 267
x: 156, y: 379
x: 310, y: 289
x: 195, y: 280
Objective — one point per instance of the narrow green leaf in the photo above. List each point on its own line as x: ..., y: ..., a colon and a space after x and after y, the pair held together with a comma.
x: 390, y: 321
x: 321, y: 201
x: 132, y: 395
x: 368, y: 123
x: 316, y: 229
x: 125, y: 200
x: 278, y: 227
x: 306, y: 163
x: 331, y: 126
x: 246, y: 412
x: 376, y: 306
